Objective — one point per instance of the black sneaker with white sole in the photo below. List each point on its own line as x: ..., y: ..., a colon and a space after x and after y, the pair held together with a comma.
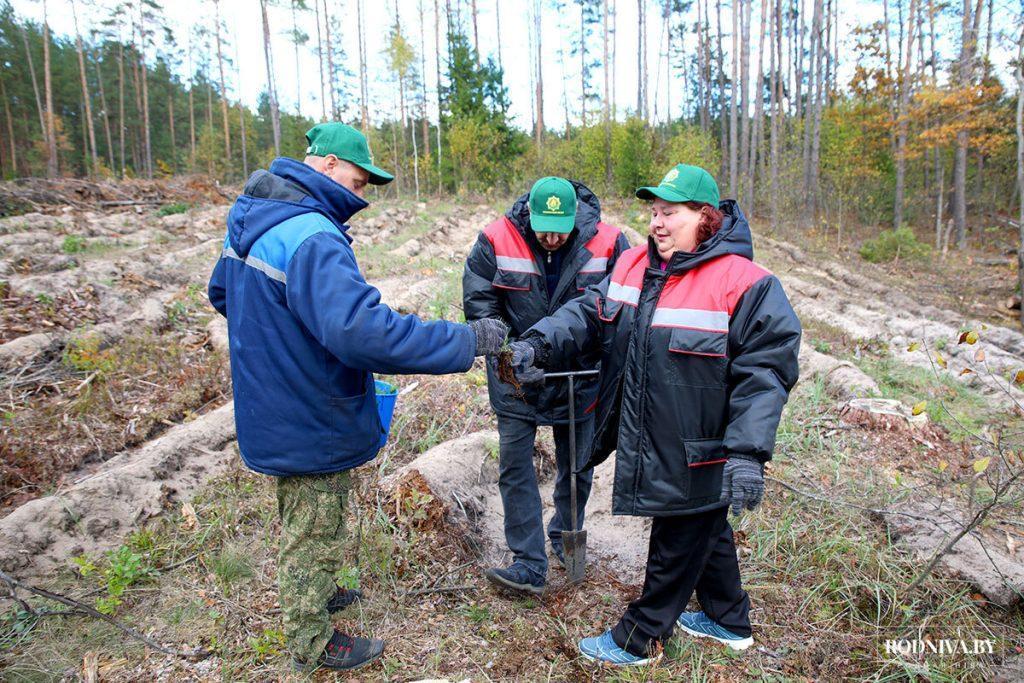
x: 344, y: 652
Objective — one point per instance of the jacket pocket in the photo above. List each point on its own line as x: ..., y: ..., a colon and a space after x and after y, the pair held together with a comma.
x: 356, y: 427
x: 705, y: 459
x: 510, y: 279
x: 697, y: 358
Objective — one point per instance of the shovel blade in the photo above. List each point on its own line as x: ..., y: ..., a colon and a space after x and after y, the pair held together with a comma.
x: 574, y: 545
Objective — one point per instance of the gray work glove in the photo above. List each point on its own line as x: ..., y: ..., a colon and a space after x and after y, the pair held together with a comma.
x: 523, y: 358
x: 490, y: 335
x: 742, y: 483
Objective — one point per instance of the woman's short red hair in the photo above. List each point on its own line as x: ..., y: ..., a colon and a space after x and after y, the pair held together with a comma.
x: 710, y: 220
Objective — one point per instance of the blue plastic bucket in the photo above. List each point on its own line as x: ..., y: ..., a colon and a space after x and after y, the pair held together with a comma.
x: 387, y: 394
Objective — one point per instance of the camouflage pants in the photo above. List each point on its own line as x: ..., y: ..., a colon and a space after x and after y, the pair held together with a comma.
x: 311, y: 553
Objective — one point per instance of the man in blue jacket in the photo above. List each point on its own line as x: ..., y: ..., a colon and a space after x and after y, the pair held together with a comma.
x: 306, y: 333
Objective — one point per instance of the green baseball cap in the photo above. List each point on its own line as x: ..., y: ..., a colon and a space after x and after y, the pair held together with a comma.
x: 345, y: 142
x: 552, y: 205
x: 684, y: 184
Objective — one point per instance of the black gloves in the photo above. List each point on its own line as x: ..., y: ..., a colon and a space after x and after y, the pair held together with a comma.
x: 490, y: 335
x: 524, y: 356
x: 742, y: 483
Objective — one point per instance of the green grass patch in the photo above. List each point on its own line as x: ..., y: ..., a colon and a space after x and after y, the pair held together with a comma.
x: 173, y: 208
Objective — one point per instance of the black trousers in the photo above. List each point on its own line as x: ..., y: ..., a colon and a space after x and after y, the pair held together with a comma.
x: 687, y: 553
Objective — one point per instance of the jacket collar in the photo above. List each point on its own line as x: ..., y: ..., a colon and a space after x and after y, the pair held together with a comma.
x: 334, y: 200
x: 732, y: 238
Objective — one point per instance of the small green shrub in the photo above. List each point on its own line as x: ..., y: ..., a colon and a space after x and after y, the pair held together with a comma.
x: 893, y: 244
x: 73, y: 244
x: 83, y: 353
x: 123, y: 568
x: 171, y: 209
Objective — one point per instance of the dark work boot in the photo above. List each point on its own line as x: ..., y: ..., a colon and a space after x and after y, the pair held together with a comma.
x: 342, y: 599
x: 516, y: 578
x: 344, y: 652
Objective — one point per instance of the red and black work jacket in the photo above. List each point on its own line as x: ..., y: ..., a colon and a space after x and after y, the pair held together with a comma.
x: 697, y: 362
x: 504, y: 278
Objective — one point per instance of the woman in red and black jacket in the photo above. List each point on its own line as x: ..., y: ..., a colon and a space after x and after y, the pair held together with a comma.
x: 699, y: 352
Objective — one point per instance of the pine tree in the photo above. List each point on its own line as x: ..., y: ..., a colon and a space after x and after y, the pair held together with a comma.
x: 268, y: 58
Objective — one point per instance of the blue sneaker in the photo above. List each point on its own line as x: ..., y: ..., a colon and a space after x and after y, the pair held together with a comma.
x: 516, y: 578
x: 603, y: 649
x: 701, y: 625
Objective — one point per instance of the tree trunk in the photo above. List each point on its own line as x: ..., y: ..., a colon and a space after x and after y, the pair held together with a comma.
x: 120, y: 106
x: 52, y: 165
x: 497, y: 19
x: 335, y: 114
x: 938, y: 208
x: 641, y: 59
x: 298, y: 71
x: 170, y: 122
x: 320, y: 59
x: 583, y: 66
x: 721, y: 92
x: 814, y: 69
x: 90, y: 128
x: 966, y: 77
x: 819, y: 101
x: 799, y: 28
x: 1020, y: 162
x: 744, y: 102
x: 829, y: 66
x: 191, y: 111
x: 758, y: 132
x: 775, y: 39
x: 888, y: 46
x: 400, y: 150
x: 423, y: 93
x: 10, y: 128
x: 268, y: 58
x: 669, y: 14
x: 148, y: 149
x: 702, y: 78
x: 437, y: 67
x: 476, y: 32
x: 106, y: 112
x: 35, y: 84
x: 537, y: 27
x: 901, y: 120
x: 614, y: 57
x: 138, y: 151
x: 223, y: 86
x: 607, y: 104
x: 241, y: 112
x: 363, y: 84
x: 734, y: 141
x: 138, y: 161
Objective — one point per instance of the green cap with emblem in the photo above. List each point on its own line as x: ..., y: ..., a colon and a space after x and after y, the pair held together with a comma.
x: 345, y: 142
x: 552, y: 205
x: 684, y: 184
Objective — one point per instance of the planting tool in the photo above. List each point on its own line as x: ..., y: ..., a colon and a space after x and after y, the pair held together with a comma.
x: 574, y: 541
